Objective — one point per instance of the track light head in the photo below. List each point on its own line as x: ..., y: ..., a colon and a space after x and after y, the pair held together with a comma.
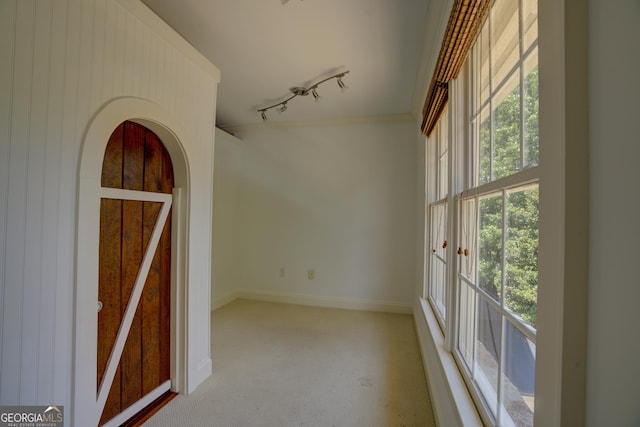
x: 283, y: 108
x: 263, y: 114
x: 314, y: 92
x: 341, y: 84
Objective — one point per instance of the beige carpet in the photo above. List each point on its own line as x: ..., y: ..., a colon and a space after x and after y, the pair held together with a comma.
x: 279, y: 365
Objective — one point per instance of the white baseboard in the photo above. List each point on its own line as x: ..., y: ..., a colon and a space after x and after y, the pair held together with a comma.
x: 201, y: 373
x: 216, y: 303
x: 316, y: 301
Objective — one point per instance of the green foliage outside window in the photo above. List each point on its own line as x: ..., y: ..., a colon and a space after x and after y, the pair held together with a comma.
x: 521, y: 216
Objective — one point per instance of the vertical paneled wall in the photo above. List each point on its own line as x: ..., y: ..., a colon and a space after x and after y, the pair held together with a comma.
x: 62, y: 60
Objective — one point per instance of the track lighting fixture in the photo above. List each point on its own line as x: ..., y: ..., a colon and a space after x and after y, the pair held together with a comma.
x: 343, y: 87
x: 303, y: 91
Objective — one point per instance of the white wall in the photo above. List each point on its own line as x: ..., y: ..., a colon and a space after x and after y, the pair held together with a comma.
x: 338, y: 199
x: 227, y: 185
x: 63, y: 60
x: 613, y: 371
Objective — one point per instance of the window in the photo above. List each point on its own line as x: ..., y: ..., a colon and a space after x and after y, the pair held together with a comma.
x: 497, y: 288
x: 491, y: 201
x: 437, y: 197
x: 498, y: 221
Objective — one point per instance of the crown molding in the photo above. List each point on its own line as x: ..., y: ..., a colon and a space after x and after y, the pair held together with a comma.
x: 268, y: 125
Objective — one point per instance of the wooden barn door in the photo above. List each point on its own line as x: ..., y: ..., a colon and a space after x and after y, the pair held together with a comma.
x: 134, y: 351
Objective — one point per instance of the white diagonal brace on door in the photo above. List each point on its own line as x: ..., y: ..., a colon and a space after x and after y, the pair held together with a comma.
x: 141, y: 278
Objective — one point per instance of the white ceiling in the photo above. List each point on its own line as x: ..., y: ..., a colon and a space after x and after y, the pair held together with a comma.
x: 264, y: 47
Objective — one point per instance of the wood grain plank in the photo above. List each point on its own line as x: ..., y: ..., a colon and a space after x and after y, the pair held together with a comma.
x: 109, y: 277
x: 151, y: 294
x: 150, y: 309
x: 113, y: 159
x: 113, y: 406
x: 133, y: 171
x: 109, y: 270
x: 132, y: 252
x: 165, y: 276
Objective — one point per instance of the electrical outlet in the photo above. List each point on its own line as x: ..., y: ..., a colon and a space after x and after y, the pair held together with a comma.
x: 311, y: 274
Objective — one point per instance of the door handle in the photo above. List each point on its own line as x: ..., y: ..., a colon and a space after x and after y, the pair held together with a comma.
x: 99, y: 306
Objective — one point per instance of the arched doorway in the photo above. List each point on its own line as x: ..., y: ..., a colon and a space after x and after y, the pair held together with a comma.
x: 134, y: 287
x: 87, y: 409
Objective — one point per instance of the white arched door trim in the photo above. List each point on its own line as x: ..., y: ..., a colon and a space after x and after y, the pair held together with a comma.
x: 174, y: 138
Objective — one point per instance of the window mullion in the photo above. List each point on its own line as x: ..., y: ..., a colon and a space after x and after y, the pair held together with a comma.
x: 471, y: 141
x: 501, y: 371
x: 459, y: 177
x: 523, y: 156
x: 437, y: 219
x: 476, y: 270
x: 503, y: 278
x: 450, y: 233
x: 503, y: 272
x: 502, y: 305
x: 528, y: 175
x: 491, y: 121
x: 521, y: 326
x: 452, y: 268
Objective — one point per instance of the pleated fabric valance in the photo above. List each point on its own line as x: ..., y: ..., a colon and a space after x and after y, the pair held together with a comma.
x: 464, y: 24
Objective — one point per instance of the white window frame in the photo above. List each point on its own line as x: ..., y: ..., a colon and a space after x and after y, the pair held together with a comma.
x: 463, y: 157
x: 563, y: 245
x: 438, y: 194
x: 477, y: 190
x: 478, y: 384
